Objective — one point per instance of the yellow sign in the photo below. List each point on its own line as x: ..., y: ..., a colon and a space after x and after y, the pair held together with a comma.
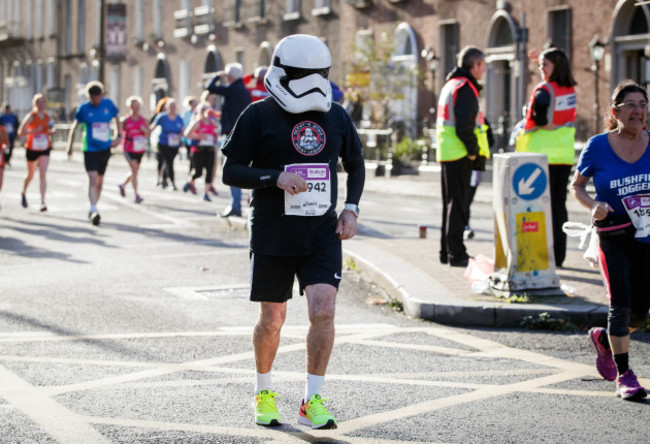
x: 532, y: 246
x: 359, y: 79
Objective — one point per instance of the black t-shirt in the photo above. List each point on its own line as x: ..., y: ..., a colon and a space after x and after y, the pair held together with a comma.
x: 264, y: 140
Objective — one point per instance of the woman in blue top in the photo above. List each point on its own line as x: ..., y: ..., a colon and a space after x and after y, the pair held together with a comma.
x: 619, y: 163
x: 172, y: 127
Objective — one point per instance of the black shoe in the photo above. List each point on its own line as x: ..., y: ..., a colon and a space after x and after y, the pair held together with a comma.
x: 468, y: 233
x: 94, y: 217
x: 23, y: 201
x: 459, y: 263
x: 231, y: 212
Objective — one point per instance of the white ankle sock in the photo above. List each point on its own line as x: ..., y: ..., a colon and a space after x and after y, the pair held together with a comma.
x: 263, y: 382
x: 314, y: 385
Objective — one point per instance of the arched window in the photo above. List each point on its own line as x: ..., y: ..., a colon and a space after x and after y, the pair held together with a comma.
x: 160, y: 83
x: 503, y: 98
x: 404, y: 60
x: 629, y: 41
x: 502, y: 33
x: 213, y: 63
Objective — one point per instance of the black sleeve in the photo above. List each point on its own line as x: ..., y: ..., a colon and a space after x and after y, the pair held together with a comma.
x: 541, y: 102
x: 465, y: 110
x: 353, y: 163
x: 239, y: 150
x: 214, y: 88
x: 240, y: 175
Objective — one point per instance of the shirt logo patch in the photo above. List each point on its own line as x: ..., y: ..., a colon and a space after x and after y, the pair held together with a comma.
x: 308, y: 138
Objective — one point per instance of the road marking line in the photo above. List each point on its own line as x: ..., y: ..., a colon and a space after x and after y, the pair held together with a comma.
x: 220, y: 252
x: 449, y: 401
x: 59, y: 422
x: 552, y: 371
x: 429, y: 348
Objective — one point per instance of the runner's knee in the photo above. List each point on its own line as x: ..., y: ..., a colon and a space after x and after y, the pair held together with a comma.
x: 619, y: 321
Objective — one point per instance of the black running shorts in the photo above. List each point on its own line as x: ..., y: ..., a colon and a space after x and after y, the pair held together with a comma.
x: 129, y: 156
x: 32, y: 155
x: 272, y: 277
x: 97, y: 161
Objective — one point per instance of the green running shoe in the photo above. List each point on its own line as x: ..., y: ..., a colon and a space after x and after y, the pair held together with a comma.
x: 266, y: 412
x: 313, y: 413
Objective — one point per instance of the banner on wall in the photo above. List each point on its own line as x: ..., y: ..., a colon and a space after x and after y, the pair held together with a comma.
x: 115, y: 45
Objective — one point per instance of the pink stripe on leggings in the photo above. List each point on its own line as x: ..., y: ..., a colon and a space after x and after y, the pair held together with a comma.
x: 604, y: 272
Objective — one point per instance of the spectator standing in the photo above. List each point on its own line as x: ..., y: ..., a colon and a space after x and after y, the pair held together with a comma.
x: 461, y: 137
x: 236, y: 99
x: 10, y: 122
x: 264, y: 153
x: 614, y: 160
x: 355, y: 106
x: 37, y: 126
x: 550, y: 129
x: 136, y: 131
x: 95, y: 117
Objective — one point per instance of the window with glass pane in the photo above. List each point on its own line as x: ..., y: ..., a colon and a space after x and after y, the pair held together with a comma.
x: 293, y: 6
x: 232, y: 11
x: 257, y: 9
x: 559, y: 29
x: 449, y: 46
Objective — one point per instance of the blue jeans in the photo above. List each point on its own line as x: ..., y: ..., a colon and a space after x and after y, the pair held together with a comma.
x: 236, y: 199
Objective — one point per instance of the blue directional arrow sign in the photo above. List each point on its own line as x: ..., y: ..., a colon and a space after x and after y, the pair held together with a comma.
x: 529, y: 181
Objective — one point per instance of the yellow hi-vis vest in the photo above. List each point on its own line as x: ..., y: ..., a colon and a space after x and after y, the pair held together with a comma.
x: 450, y: 147
x: 557, y: 144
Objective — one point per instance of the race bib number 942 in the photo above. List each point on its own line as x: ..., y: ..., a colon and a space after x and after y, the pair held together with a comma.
x: 317, y: 199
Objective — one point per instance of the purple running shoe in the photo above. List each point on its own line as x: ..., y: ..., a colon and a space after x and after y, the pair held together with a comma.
x: 604, y: 359
x: 627, y: 387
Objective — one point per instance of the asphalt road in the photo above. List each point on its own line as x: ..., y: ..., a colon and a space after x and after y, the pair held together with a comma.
x: 139, y: 331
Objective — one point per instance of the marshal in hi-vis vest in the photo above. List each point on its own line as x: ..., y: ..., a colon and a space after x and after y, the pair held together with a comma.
x: 450, y: 147
x: 557, y: 144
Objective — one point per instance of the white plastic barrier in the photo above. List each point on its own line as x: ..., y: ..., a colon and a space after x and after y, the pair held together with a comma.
x: 524, y: 257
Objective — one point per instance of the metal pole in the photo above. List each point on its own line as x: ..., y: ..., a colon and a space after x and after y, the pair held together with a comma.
x: 102, y: 38
x: 522, y: 70
x: 597, y: 102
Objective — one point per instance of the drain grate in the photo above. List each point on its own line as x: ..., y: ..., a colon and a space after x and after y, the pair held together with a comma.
x: 225, y: 293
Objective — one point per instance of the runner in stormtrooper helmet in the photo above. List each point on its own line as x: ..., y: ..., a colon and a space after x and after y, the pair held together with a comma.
x: 298, y: 77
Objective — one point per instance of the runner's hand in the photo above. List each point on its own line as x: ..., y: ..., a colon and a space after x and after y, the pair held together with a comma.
x: 291, y: 183
x: 601, y: 210
x: 346, y: 227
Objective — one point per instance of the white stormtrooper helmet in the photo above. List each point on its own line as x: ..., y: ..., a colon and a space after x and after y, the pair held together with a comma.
x: 298, y: 77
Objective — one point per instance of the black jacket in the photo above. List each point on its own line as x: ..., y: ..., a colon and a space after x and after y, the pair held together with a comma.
x: 236, y: 99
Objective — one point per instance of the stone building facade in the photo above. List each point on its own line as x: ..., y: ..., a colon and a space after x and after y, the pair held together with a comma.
x: 173, y: 47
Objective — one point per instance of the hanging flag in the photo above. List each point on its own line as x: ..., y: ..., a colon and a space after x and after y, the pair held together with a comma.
x: 116, y: 32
